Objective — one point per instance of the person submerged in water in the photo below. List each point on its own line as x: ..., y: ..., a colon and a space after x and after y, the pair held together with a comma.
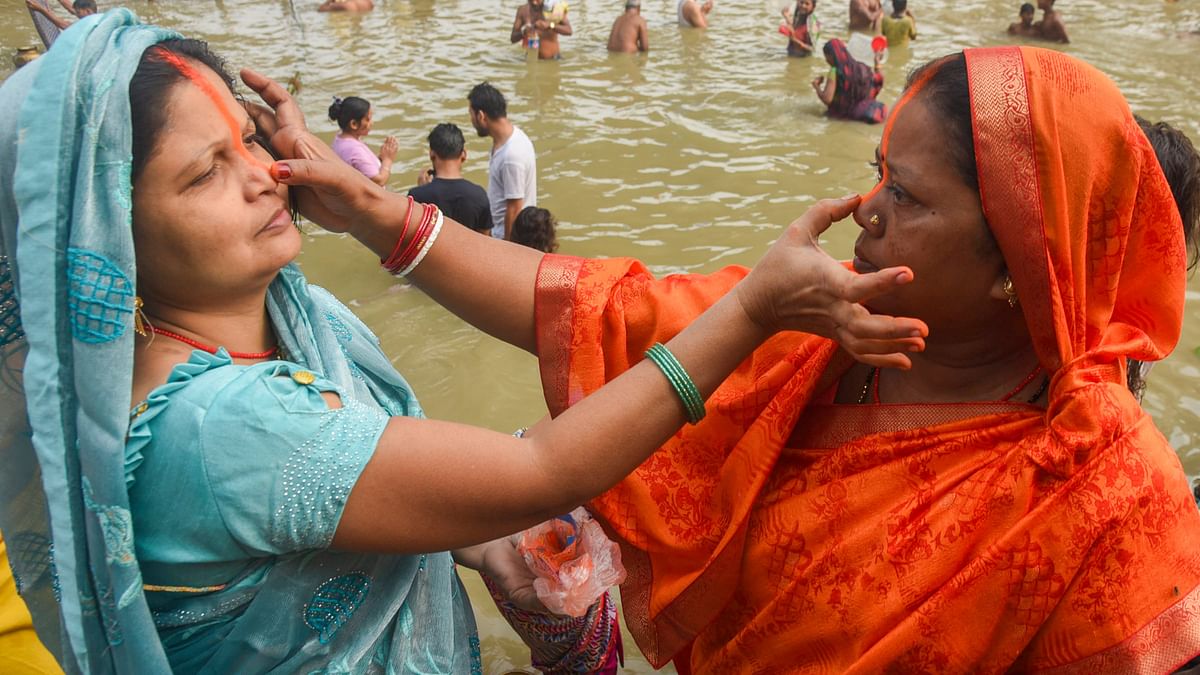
x: 1051, y: 26
x: 79, y: 9
x: 532, y: 20
x: 629, y: 32
x: 850, y: 90
x: 800, y: 39
x: 1024, y: 27
x: 346, y: 6
x: 693, y: 13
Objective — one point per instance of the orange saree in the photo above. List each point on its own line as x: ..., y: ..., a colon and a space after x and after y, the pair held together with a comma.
x: 783, y: 534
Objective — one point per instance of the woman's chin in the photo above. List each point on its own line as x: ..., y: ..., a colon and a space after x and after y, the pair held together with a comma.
x: 285, y: 246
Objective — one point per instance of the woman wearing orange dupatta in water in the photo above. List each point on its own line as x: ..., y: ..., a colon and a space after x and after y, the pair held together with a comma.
x: 1005, y: 503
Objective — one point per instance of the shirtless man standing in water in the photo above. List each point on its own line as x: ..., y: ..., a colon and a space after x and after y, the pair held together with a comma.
x: 629, y: 32
x: 531, y: 17
x: 1051, y: 27
x: 693, y: 13
x: 866, y: 16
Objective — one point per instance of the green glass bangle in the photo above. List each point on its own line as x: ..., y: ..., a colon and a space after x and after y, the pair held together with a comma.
x: 681, y: 382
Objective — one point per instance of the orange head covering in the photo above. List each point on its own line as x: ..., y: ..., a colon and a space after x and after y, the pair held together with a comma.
x: 1083, y: 214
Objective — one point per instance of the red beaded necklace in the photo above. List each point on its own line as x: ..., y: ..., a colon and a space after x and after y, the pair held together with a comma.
x: 210, y: 348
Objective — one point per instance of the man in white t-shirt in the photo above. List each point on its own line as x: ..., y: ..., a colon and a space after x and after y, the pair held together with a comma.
x: 512, y: 169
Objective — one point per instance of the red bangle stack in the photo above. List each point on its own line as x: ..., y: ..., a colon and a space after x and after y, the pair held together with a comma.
x: 398, y: 260
x: 400, y: 240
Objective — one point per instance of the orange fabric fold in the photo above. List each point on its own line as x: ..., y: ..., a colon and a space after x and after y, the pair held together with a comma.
x: 782, y: 534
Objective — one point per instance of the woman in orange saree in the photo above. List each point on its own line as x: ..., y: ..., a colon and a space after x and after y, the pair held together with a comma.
x: 960, y: 516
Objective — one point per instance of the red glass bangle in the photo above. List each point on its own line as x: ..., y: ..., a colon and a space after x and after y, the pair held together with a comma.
x: 414, y: 244
x: 389, y: 261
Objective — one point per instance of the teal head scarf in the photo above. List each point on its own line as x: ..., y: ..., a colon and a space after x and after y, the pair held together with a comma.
x: 67, y: 288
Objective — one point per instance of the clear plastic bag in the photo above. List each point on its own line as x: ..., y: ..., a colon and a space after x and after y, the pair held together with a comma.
x: 574, y: 561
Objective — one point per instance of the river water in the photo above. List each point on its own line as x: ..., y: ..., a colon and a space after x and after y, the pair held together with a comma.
x: 690, y: 158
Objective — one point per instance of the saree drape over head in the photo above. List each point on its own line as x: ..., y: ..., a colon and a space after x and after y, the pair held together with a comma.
x: 782, y: 535
x: 72, y: 481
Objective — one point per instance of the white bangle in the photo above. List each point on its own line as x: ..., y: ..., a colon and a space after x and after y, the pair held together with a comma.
x: 437, y: 229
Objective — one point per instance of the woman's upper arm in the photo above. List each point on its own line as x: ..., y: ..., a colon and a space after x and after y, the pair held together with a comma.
x: 281, y: 454
x: 435, y: 486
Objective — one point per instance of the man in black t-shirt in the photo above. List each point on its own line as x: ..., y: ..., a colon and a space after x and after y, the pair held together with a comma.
x: 443, y: 185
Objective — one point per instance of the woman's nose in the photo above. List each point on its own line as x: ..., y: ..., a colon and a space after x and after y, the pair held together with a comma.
x: 867, y: 214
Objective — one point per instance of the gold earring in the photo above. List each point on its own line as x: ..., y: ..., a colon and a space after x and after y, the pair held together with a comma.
x: 874, y: 220
x: 139, y: 317
x: 1010, y: 291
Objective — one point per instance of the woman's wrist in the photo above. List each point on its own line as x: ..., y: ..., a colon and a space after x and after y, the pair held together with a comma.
x: 380, y: 221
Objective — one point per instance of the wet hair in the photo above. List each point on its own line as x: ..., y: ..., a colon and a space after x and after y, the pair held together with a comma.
x: 1181, y: 165
x: 446, y: 141
x: 347, y: 110
x: 535, y: 227
x: 488, y: 100
x: 80, y: 5
x: 946, y: 91
x: 898, y: 6
x: 1028, y: 8
x: 151, y: 87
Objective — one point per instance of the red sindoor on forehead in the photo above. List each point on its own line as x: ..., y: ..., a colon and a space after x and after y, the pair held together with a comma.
x: 213, y: 95
x: 905, y: 99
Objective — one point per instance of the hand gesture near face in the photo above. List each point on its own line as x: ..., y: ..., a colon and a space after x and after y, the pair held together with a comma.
x: 798, y: 286
x: 334, y: 195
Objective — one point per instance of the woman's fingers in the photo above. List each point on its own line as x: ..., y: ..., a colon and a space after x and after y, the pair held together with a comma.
x: 264, y: 118
x: 319, y: 174
x: 885, y: 361
x: 825, y: 213
x: 275, y: 95
x: 861, y: 287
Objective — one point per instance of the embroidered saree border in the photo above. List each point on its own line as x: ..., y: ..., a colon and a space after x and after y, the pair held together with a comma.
x: 553, y: 308
x: 1161, y: 646
x: 1006, y: 159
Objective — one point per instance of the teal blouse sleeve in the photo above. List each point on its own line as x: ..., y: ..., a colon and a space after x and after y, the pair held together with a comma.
x: 279, y: 462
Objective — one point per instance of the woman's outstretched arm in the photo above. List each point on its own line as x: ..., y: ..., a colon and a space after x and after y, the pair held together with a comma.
x: 437, y: 485
x: 488, y: 282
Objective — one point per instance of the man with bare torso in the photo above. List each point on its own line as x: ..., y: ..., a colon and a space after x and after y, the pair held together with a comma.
x: 1051, y: 26
x: 629, y: 31
x: 532, y: 20
x: 693, y: 13
x: 1024, y: 27
x: 866, y: 16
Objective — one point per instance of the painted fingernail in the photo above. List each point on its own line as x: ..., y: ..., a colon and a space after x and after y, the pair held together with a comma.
x: 281, y: 171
